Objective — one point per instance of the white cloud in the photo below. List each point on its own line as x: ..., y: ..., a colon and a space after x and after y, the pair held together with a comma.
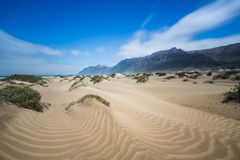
x: 11, y: 45
x: 101, y: 49
x: 78, y: 53
x: 181, y: 34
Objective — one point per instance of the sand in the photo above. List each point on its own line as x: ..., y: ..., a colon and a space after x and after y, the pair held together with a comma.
x: 160, y: 119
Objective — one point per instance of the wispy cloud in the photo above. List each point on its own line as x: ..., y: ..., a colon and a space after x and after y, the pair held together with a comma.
x: 181, y: 34
x: 19, y: 56
x: 11, y: 45
x: 78, y: 53
x: 101, y: 49
x: 148, y: 19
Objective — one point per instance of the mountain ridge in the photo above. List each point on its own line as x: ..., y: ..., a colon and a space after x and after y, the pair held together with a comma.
x: 173, y: 60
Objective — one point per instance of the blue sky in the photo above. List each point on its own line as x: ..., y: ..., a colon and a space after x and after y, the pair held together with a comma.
x: 63, y: 36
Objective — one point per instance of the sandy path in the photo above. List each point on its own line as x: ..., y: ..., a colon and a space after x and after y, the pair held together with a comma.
x: 140, y: 124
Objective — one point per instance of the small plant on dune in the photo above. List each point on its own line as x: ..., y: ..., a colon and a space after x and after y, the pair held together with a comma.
x: 180, y: 74
x: 227, y: 75
x: 160, y: 74
x: 209, y: 73
x: 22, y: 96
x: 194, y: 76
x: 194, y: 82
x: 142, y: 79
x: 233, y: 94
x: 210, y: 82
x: 185, y: 79
x: 112, y: 75
x: 27, y: 78
x: 97, y: 79
x: 23, y: 77
x: 93, y: 96
x: 169, y: 77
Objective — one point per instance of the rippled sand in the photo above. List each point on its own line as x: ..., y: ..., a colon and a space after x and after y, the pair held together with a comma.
x: 144, y: 121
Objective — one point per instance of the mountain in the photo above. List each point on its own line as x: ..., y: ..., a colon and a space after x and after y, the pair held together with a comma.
x: 98, y: 69
x: 229, y: 54
x: 174, y: 59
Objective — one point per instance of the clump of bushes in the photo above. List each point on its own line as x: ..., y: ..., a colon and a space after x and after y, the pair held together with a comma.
x: 210, y: 82
x: 27, y: 78
x: 191, y: 75
x: 233, y: 94
x: 234, y: 75
x: 181, y: 74
x: 93, y: 96
x: 112, y: 75
x: 24, y: 77
x: 75, y: 85
x: 97, y: 79
x: 22, y: 96
x: 142, y: 78
x: 160, y: 74
x: 209, y: 73
x: 169, y: 77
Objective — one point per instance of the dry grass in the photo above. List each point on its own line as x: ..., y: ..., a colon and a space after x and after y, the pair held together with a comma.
x: 22, y: 96
x: 233, y: 94
x: 93, y: 96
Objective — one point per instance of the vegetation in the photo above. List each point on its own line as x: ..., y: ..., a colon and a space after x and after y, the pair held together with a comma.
x: 210, y: 82
x: 76, y: 84
x: 161, y: 74
x: 185, y: 79
x: 93, y: 96
x: 22, y: 96
x: 233, y: 94
x: 142, y: 78
x: 24, y: 77
x: 234, y: 75
x: 209, y: 73
x: 27, y: 78
x: 191, y: 75
x: 112, y: 75
x: 169, y: 77
x: 97, y: 79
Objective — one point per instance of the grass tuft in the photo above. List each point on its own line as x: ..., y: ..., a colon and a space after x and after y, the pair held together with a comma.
x: 93, y: 96
x: 160, y: 74
x: 27, y: 78
x: 97, y: 79
x: 233, y: 94
x: 22, y: 96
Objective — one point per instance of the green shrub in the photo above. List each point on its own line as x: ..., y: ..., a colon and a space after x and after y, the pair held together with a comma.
x: 209, y: 73
x: 233, y: 94
x: 226, y: 75
x: 142, y: 79
x: 193, y: 76
x: 24, y: 77
x: 160, y: 74
x: 97, y: 79
x: 98, y: 98
x: 210, y: 82
x: 22, y: 96
x: 112, y: 75
x: 180, y: 74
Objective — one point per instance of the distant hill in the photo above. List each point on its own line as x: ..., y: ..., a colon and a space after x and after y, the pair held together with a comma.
x: 174, y: 59
x: 99, y: 69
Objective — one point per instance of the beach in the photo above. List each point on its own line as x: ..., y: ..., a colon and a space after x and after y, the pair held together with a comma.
x: 160, y: 119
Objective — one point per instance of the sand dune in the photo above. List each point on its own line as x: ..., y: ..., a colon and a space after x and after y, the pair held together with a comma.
x: 144, y: 121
